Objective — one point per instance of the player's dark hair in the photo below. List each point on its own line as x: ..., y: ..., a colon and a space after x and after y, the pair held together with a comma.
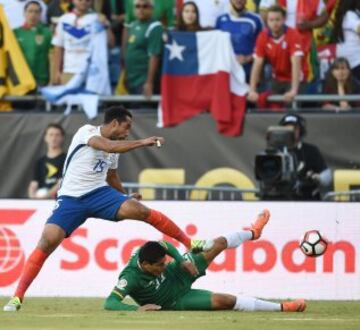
x: 57, y: 126
x: 151, y: 252
x: 117, y: 112
x: 277, y: 9
x: 32, y: 2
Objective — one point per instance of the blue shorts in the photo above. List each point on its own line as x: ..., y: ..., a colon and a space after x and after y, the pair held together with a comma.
x: 72, y: 212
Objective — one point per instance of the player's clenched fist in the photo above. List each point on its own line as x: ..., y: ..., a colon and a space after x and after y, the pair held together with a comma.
x: 149, y: 307
x: 154, y: 140
x: 137, y: 196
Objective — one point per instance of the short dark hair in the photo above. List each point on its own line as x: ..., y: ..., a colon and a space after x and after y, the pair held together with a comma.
x: 57, y: 126
x: 116, y: 112
x: 151, y: 252
x: 32, y: 2
x: 277, y: 9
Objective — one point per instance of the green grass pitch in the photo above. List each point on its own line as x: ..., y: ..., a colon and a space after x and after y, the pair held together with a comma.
x: 87, y: 313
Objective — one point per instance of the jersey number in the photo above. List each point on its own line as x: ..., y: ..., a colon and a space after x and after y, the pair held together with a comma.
x: 99, y: 166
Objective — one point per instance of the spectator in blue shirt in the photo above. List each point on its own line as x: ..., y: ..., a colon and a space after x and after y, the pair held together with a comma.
x: 244, y: 27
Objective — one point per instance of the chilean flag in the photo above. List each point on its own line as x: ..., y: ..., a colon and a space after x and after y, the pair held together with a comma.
x: 200, y: 73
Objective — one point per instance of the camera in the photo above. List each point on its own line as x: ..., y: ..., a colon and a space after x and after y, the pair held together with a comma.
x: 276, y: 168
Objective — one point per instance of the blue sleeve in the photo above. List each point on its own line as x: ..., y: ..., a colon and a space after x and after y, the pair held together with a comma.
x: 217, y: 25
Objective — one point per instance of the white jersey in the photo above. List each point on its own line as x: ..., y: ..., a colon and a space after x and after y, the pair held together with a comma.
x: 74, y: 34
x: 350, y: 48
x: 85, y: 168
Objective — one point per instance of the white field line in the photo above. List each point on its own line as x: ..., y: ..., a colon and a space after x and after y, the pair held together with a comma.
x: 314, y: 319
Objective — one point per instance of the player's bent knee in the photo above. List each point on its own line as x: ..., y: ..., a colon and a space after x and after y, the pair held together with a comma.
x: 223, y: 301
x: 50, y: 239
x: 47, y: 245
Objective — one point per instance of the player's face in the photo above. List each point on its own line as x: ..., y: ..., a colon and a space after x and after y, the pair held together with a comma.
x: 238, y: 5
x: 54, y: 138
x: 155, y: 269
x: 275, y: 21
x: 120, y: 131
x: 189, y: 14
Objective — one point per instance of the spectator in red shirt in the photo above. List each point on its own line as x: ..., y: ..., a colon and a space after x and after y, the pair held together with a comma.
x: 304, y: 16
x: 188, y: 19
x: 280, y: 45
x: 339, y: 80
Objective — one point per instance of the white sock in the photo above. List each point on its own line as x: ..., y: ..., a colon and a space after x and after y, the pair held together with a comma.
x: 250, y: 304
x: 235, y: 239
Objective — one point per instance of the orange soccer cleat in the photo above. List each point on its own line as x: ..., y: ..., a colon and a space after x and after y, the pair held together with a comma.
x: 259, y: 224
x: 298, y: 305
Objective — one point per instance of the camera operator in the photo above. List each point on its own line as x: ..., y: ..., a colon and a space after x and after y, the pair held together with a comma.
x: 312, y: 171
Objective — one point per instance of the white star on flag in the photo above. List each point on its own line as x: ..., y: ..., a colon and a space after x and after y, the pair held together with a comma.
x: 176, y: 51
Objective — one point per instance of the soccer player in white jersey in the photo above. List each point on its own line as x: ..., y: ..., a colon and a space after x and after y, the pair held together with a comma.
x: 91, y: 187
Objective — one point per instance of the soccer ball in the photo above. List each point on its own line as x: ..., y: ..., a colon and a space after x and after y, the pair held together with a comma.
x: 313, y: 244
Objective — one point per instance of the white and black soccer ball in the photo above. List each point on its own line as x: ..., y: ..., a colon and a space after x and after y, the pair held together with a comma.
x: 313, y: 244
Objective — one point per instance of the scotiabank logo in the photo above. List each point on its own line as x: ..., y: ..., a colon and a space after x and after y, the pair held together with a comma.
x: 112, y: 254
x: 12, y: 257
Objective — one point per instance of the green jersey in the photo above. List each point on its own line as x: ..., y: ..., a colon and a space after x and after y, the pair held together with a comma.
x: 144, y: 41
x: 163, y: 11
x: 164, y: 290
x: 35, y: 44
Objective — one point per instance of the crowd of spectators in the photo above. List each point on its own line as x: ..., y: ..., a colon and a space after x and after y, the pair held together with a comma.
x: 277, y: 42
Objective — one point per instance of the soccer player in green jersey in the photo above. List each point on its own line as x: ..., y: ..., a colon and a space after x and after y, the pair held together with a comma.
x: 155, y: 285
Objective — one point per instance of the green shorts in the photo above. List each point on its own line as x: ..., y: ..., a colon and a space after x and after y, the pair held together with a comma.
x: 191, y: 299
x: 194, y: 300
x: 183, y: 276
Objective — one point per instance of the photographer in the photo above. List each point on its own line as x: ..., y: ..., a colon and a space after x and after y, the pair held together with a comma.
x: 312, y: 171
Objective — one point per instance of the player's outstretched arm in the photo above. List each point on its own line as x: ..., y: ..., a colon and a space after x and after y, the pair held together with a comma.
x: 113, y: 179
x: 172, y: 251
x: 114, y: 302
x: 110, y: 146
